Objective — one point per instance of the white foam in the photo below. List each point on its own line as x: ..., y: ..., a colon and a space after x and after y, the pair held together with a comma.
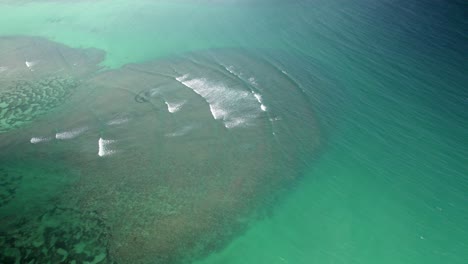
x: 231, y: 70
x: 253, y: 82
x: 217, y: 112
x: 260, y: 101
x: 258, y: 97
x: 103, y: 147
x: 3, y: 68
x: 70, y: 134
x: 235, y: 122
x: 30, y: 64
x: 36, y: 140
x: 182, y: 78
x: 118, y: 121
x: 233, y: 107
x: 174, y: 107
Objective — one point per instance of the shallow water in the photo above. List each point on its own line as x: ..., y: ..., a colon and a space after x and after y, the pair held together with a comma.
x: 237, y: 132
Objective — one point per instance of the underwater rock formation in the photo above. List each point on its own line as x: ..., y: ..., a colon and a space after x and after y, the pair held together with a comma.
x: 37, y: 75
x: 61, y: 235
x: 26, y: 100
x: 8, y: 184
x: 175, y: 157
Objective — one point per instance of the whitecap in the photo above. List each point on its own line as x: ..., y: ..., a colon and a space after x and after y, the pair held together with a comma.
x: 182, y: 78
x: 253, y: 82
x: 70, y: 134
x: 235, y: 122
x: 234, y: 107
x: 31, y: 64
x: 3, y: 68
x: 35, y: 140
x: 174, y: 107
x: 103, y: 147
x: 258, y: 97
x: 231, y: 70
x: 260, y: 101
x: 118, y: 121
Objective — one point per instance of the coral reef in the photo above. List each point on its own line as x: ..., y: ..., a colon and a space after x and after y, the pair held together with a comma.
x: 37, y: 75
x: 25, y: 100
x: 8, y: 184
x: 61, y: 235
x: 146, y: 192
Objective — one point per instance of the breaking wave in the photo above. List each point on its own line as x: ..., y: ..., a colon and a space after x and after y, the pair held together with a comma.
x: 104, y: 147
x: 174, y: 107
x: 70, y: 134
x: 35, y: 140
x: 234, y: 107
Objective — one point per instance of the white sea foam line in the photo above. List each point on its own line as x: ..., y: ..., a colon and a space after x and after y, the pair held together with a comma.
x: 35, y: 140
x: 260, y: 101
x: 118, y: 121
x: 230, y: 69
x: 258, y: 97
x: 3, y: 68
x: 70, y: 134
x: 182, y: 78
x: 103, y: 147
x: 252, y: 81
x: 174, y: 107
x: 221, y: 100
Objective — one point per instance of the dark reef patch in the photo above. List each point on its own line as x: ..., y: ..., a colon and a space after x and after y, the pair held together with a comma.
x: 9, y: 182
x: 61, y: 235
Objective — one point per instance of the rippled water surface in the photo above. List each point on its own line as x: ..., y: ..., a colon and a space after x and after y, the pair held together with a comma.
x: 233, y: 131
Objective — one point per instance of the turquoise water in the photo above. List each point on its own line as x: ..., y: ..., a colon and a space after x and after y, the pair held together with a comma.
x: 386, y: 82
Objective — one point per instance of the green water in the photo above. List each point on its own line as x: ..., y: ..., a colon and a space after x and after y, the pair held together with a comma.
x: 387, y: 84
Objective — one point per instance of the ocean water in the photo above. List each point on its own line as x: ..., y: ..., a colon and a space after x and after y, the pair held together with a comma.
x: 234, y: 131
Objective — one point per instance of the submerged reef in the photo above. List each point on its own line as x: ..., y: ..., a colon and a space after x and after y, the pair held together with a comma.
x: 170, y: 159
x: 61, y: 235
x: 37, y: 75
x: 8, y: 184
x: 26, y: 100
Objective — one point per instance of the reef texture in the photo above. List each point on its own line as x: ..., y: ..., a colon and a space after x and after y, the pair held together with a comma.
x: 175, y: 157
x: 37, y: 75
x: 8, y: 184
x: 61, y: 235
